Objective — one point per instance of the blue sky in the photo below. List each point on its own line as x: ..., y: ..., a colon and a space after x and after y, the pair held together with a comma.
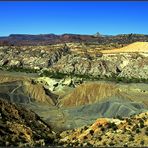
x: 73, y: 17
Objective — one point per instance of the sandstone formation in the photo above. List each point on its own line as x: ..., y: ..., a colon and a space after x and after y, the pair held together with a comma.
x: 130, y: 62
x: 33, y: 57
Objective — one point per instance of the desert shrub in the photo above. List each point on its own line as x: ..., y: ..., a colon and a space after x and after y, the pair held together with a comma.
x: 76, y: 143
x: 119, y: 117
x: 89, y: 144
x: 99, y: 54
x: 142, y: 142
x: 104, y: 143
x: 137, y: 130
x: 135, y: 127
x: 131, y: 139
x: 100, y: 125
x: 111, y: 143
x: 88, y: 57
x: 102, y: 129
x: 57, y: 75
x: 125, y: 145
x: 21, y: 69
x: 146, y: 133
x: 91, y: 132
x: 141, y: 125
x: 129, y: 121
x: 85, y: 137
x: 113, y: 126
x: 85, y: 128
x: 141, y: 122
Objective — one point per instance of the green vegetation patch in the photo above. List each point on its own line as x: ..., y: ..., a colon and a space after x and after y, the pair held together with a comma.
x: 60, y: 75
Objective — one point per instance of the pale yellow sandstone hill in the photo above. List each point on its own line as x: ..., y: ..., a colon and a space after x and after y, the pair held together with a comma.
x: 134, y: 47
x: 93, y: 92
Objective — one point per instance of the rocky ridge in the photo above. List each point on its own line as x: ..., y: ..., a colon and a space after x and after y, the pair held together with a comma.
x: 31, y: 57
x: 123, y: 132
x: 22, y: 127
x: 77, y: 60
x: 126, y: 65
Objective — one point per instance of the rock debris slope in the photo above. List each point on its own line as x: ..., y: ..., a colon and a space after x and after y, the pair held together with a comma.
x: 22, y: 127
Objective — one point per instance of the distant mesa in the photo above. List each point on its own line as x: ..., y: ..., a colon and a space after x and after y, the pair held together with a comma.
x: 48, y: 39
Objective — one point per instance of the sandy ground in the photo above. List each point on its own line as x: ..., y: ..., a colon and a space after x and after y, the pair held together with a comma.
x: 134, y: 47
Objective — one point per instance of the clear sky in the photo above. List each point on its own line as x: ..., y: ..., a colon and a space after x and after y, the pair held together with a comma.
x: 73, y: 17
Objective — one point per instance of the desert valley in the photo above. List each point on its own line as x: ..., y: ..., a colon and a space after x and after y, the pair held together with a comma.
x: 74, y: 90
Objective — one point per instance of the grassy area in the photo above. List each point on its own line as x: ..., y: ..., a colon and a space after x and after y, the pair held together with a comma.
x: 114, y: 78
x: 19, y: 69
x: 59, y: 75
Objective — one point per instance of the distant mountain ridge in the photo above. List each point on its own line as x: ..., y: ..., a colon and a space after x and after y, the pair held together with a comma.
x: 48, y: 39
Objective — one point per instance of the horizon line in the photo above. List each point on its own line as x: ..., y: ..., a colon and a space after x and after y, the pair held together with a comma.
x: 71, y: 34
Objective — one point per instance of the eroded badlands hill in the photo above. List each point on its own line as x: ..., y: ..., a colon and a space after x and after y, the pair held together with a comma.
x: 31, y: 57
x: 129, y: 62
x: 67, y: 104
x: 79, y: 59
x: 21, y: 89
x: 92, y: 92
x: 106, y: 132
